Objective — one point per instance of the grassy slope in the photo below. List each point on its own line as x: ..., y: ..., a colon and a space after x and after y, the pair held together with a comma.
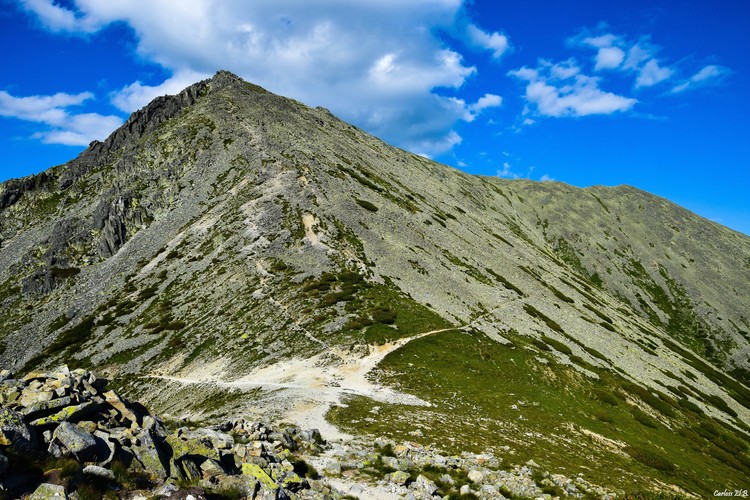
x: 474, y: 384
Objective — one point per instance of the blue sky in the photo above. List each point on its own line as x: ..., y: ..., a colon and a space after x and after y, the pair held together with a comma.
x: 651, y: 94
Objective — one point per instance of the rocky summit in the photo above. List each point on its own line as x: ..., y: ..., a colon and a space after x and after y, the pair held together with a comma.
x: 230, y: 255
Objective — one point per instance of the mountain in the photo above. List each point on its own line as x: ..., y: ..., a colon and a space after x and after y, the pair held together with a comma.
x: 230, y: 251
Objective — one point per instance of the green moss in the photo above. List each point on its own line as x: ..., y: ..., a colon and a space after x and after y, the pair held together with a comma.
x: 256, y: 472
x: 600, y: 202
x: 559, y: 294
x: 535, y: 313
x: 467, y: 268
x: 598, y: 313
x: 558, y: 346
x: 605, y: 397
x: 507, y: 284
x: 58, y: 323
x: 643, y: 419
x: 366, y: 205
x: 502, y: 239
x: 69, y: 340
x: 650, y: 458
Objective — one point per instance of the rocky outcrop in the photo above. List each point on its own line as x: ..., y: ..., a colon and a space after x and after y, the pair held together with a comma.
x: 80, y: 439
x: 14, y: 189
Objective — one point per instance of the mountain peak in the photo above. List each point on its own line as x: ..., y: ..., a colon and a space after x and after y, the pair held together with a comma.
x: 226, y: 233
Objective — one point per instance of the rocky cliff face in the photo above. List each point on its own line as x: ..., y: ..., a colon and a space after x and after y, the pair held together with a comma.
x: 227, y: 241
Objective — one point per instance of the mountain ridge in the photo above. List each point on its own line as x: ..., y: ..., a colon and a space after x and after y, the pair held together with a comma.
x: 225, y: 230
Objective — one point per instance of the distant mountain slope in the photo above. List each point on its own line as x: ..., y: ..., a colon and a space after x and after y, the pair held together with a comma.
x: 227, y: 230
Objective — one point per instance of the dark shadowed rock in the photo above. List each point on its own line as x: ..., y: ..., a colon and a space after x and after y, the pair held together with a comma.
x: 14, y: 430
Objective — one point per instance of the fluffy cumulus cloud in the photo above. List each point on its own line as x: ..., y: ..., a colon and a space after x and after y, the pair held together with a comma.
x: 561, y: 89
x: 62, y: 126
x: 609, y: 58
x: 495, y: 42
x: 377, y: 63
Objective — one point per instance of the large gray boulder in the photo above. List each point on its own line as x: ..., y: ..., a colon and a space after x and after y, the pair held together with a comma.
x: 150, y: 454
x: 82, y: 444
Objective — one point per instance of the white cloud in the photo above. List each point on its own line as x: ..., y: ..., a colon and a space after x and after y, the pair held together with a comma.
x: 58, y: 18
x: 614, y: 52
x: 66, y: 128
x: 136, y: 95
x: 431, y: 147
x: 708, y: 75
x: 609, y: 58
x: 546, y: 178
x: 485, y: 102
x: 651, y: 74
x: 562, y: 90
x: 608, y: 54
x: 637, y: 55
x: 601, y: 41
x: 377, y: 63
x: 496, y: 42
x: 507, y: 172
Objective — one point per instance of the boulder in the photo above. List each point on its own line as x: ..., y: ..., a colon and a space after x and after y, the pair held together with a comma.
x: 118, y: 404
x: 246, y: 485
x: 312, y: 436
x: 181, y: 448
x: 154, y: 426
x: 106, y: 448
x: 98, y: 383
x: 293, y: 482
x: 32, y: 395
x: 255, y: 471
x: 187, y: 468
x: 14, y: 431
x: 211, y: 468
x: 35, y: 375
x: 150, y: 455
x: 96, y: 471
x: 476, y: 476
x: 210, y: 438
x: 10, y: 391
x: 42, y: 408
x: 45, y: 491
x: 80, y: 443
x: 283, y: 439
x: 68, y: 414
x: 424, y: 486
x: 399, y: 477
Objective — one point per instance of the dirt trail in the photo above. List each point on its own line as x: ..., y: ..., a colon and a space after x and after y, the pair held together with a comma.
x: 303, y: 389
